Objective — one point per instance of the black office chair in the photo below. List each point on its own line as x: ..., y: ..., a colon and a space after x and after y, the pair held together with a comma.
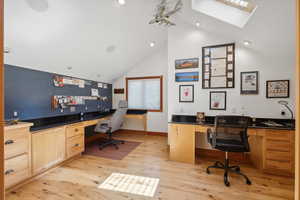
x: 229, y: 135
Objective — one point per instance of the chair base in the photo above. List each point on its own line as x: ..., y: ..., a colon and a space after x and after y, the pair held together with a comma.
x: 227, y: 168
x: 111, y: 142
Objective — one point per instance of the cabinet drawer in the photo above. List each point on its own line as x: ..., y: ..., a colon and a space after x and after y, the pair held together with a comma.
x: 75, y: 145
x: 282, y: 135
x: 278, y: 156
x: 16, y: 170
x: 16, y: 142
x: 74, y: 130
x: 278, y: 165
x: 274, y: 145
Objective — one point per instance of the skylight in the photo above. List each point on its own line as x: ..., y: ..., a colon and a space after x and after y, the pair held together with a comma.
x: 235, y: 12
x: 244, y: 5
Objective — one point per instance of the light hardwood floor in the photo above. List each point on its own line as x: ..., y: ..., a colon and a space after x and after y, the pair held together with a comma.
x: 178, y: 181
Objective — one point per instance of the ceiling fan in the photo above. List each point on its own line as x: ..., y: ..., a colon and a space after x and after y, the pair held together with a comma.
x: 163, y: 13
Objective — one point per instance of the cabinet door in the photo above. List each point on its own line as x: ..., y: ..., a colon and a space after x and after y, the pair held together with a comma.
x: 183, y: 138
x: 48, y: 148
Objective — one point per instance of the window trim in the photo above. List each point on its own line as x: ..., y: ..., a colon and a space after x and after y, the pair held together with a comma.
x: 148, y: 77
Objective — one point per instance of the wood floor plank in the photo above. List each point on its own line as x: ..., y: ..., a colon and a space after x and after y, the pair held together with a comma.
x: 80, y: 178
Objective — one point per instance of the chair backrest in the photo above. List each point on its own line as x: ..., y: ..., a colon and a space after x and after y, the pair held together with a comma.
x: 118, y: 117
x: 231, y: 130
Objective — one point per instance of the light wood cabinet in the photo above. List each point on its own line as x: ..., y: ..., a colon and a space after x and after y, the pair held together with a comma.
x: 278, y: 152
x: 74, y: 139
x: 17, y: 151
x: 182, y: 143
x: 48, y: 148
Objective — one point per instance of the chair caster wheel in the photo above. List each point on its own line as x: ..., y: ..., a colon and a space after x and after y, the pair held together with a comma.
x: 227, y: 184
x: 207, y: 171
x: 238, y: 169
x: 248, y: 182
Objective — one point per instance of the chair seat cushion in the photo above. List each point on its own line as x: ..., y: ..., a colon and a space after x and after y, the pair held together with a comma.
x: 230, y: 146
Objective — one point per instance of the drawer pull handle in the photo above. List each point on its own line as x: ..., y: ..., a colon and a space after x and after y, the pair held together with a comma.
x: 7, y: 172
x: 76, y: 129
x: 76, y: 145
x: 9, y: 142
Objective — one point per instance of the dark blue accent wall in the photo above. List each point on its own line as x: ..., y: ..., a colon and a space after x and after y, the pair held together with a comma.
x: 29, y: 93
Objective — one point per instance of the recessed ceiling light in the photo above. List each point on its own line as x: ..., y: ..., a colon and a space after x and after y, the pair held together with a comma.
x: 247, y: 43
x: 121, y: 2
x: 197, y: 24
x: 152, y: 44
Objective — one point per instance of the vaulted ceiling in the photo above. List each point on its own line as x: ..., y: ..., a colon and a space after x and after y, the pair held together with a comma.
x: 94, y: 37
x: 100, y: 40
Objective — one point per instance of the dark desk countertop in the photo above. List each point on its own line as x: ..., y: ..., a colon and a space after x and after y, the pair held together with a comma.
x: 189, y: 119
x: 51, y: 122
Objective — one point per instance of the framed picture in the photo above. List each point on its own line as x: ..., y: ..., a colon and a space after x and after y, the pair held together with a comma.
x: 187, y: 77
x: 186, y: 93
x: 278, y: 89
x: 218, y: 66
x: 217, y: 100
x: 249, y: 82
x: 187, y: 63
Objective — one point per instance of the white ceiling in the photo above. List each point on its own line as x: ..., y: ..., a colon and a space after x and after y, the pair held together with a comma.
x: 91, y: 36
x: 51, y: 35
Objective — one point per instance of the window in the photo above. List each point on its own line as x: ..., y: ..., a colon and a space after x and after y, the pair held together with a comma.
x: 145, y: 93
x: 244, y: 5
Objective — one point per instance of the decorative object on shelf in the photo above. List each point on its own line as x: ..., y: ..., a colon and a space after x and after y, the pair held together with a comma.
x: 187, y: 63
x: 186, y: 93
x: 200, y: 117
x: 163, y: 13
x: 218, y: 63
x: 249, y: 82
x: 278, y: 89
x: 187, y: 77
x: 217, y: 100
x: 119, y: 91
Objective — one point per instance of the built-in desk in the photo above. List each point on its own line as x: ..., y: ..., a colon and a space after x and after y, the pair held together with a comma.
x: 33, y: 147
x: 272, y: 149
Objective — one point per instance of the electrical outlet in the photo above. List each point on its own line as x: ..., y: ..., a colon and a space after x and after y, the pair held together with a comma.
x: 15, y: 114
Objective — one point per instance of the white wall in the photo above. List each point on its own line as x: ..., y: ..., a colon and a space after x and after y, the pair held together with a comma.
x: 186, y: 41
x: 155, y: 65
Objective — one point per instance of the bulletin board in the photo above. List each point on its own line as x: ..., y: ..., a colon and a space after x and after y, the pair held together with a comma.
x: 218, y: 64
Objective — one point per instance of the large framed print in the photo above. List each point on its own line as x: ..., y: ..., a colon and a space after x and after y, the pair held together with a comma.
x: 187, y: 63
x: 278, y: 89
x: 217, y: 100
x: 218, y: 63
x: 249, y: 82
x: 186, y: 93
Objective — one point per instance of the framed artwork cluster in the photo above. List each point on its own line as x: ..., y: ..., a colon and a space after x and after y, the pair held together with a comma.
x: 186, y: 92
x: 218, y: 72
x: 218, y: 63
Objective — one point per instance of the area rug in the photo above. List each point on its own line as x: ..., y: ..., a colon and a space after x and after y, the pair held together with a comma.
x: 111, y: 152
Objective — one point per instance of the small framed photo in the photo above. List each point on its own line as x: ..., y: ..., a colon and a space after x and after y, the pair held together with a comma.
x: 186, y: 93
x: 249, y: 82
x: 187, y: 63
x: 217, y: 100
x: 278, y: 89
